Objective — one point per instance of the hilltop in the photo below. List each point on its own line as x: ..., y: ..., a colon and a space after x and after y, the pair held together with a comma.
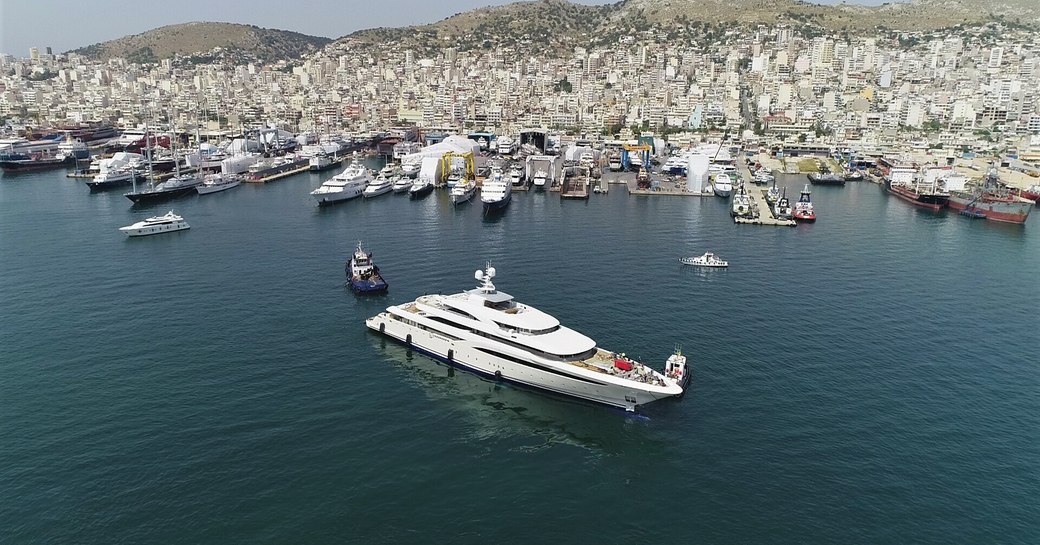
x: 551, y: 23
x: 253, y: 43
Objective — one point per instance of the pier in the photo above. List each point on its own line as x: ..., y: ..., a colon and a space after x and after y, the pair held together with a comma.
x: 763, y: 218
x: 576, y: 182
x: 277, y: 176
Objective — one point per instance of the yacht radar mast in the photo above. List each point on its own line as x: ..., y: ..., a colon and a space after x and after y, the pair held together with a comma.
x: 485, y: 276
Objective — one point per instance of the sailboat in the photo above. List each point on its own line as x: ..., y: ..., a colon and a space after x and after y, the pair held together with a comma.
x: 179, y: 185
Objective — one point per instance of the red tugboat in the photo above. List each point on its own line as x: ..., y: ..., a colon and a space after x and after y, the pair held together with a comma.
x: 803, y: 209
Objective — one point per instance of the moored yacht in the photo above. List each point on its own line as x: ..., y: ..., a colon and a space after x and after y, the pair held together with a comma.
x: 540, y: 180
x: 722, y: 185
x: 463, y: 191
x: 490, y: 333
x: 213, y: 183
x: 402, y: 184
x: 177, y: 186
x: 343, y: 186
x: 112, y: 177
x: 420, y: 188
x: 496, y: 192
x: 378, y: 187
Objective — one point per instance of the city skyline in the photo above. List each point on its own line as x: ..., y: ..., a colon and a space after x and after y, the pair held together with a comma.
x: 107, y: 19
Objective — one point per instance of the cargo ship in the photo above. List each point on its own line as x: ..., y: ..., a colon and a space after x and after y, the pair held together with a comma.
x: 928, y: 191
x: 992, y: 200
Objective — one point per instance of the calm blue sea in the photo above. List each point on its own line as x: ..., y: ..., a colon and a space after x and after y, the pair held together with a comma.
x: 871, y: 378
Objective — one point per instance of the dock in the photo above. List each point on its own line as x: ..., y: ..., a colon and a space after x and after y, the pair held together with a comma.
x: 765, y: 218
x: 576, y: 184
x: 277, y: 176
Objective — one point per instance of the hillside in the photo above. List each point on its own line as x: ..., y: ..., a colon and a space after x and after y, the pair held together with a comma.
x: 555, y: 25
x: 552, y: 23
x: 247, y: 41
x: 916, y: 15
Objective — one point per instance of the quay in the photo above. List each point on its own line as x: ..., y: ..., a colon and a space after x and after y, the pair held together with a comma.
x: 761, y: 218
x: 277, y: 176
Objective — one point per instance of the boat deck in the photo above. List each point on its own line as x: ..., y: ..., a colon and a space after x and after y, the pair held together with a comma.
x: 602, y: 361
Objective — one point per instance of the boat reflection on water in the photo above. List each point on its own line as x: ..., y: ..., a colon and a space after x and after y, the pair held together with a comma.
x: 558, y: 420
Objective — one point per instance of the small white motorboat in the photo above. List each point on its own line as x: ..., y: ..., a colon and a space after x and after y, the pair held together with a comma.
x: 707, y: 260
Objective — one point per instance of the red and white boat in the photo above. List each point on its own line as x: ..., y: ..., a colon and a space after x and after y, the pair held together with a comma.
x: 803, y: 209
x: 1032, y: 193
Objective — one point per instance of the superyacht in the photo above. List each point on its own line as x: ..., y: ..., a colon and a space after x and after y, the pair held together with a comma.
x: 488, y: 332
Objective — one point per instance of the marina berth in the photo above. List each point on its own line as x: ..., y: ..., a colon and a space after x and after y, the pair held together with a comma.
x: 488, y: 332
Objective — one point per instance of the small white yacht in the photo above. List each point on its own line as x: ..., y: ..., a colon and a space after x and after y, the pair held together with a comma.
x: 346, y: 185
x: 463, y: 191
x: 213, y: 183
x: 488, y: 332
x: 166, y: 223
x: 722, y: 185
x: 402, y: 184
x: 420, y: 188
x: 540, y: 180
x: 411, y: 168
x: 378, y: 187
x: 707, y: 260
x: 516, y: 176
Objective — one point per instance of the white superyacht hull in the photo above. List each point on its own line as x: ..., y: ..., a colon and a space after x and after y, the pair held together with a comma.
x: 477, y: 355
x: 330, y: 197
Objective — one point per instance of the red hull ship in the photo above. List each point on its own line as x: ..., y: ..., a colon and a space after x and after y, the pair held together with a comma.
x: 993, y: 200
x: 803, y: 209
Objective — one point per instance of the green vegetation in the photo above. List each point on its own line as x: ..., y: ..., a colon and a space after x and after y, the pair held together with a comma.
x: 563, y: 85
x: 808, y: 165
x: 144, y: 55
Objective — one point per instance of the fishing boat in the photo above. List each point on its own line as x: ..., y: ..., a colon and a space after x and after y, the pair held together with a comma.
x: 741, y: 206
x: 782, y: 208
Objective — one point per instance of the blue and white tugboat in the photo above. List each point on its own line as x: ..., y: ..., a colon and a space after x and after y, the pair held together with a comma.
x: 363, y: 275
